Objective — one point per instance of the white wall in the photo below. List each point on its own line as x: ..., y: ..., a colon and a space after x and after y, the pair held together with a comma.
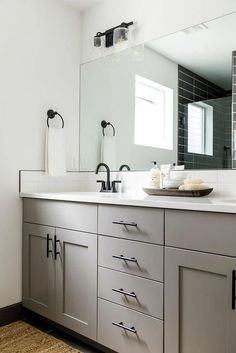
x: 154, y: 18
x: 39, y: 67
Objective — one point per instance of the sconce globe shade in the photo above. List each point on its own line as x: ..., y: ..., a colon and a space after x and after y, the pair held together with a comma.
x: 97, y: 41
x: 120, y: 35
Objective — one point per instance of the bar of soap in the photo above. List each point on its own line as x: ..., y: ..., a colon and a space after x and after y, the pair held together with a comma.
x: 193, y: 181
x: 195, y: 187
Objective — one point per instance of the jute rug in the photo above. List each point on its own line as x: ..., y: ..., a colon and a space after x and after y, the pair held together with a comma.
x: 21, y: 337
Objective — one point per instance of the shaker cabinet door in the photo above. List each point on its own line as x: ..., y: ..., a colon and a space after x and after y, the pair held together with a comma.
x: 76, y: 281
x: 200, y: 313
x: 38, y: 269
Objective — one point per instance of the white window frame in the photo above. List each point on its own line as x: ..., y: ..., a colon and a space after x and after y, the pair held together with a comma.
x: 167, y: 118
x: 206, y: 147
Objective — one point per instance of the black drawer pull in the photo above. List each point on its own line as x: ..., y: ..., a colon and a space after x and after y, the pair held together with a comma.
x: 48, y: 250
x: 127, y: 224
x: 121, y: 325
x: 233, y: 289
x: 55, y: 247
x: 121, y: 291
x: 124, y: 258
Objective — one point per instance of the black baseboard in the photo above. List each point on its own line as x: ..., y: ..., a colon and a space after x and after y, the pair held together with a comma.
x: 11, y: 314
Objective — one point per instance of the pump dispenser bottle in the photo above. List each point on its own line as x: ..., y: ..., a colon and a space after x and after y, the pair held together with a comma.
x: 154, y: 181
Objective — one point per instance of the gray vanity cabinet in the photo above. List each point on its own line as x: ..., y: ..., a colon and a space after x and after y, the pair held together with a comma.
x: 38, y: 269
x: 76, y: 281
x: 114, y: 277
x: 199, y: 294
x: 60, y: 265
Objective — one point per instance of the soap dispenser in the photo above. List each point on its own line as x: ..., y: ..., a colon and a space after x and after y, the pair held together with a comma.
x: 154, y: 181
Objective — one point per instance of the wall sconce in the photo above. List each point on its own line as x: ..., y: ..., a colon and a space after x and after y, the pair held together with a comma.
x: 113, y: 36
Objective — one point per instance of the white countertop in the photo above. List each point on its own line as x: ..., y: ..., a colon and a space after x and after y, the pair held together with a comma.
x: 209, y: 204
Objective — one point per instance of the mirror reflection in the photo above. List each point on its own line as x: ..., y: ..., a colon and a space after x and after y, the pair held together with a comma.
x: 169, y: 101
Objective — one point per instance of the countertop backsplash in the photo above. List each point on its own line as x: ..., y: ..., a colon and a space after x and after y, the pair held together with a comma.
x: 223, y: 181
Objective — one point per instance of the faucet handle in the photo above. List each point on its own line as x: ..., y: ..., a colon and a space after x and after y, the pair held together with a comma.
x: 114, y: 185
x: 103, y: 185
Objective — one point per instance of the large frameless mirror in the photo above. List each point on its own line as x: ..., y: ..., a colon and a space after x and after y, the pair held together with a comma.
x: 169, y: 100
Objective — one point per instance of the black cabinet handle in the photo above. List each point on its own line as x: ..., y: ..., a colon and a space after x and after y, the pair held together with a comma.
x: 55, y: 247
x: 121, y: 325
x: 48, y: 249
x: 122, y: 257
x: 128, y: 224
x: 121, y: 291
x: 233, y: 289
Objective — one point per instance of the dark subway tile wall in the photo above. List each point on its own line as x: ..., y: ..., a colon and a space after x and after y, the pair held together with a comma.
x: 194, y: 88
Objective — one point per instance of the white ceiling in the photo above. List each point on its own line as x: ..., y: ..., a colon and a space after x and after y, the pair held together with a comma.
x: 206, y: 52
x: 82, y: 5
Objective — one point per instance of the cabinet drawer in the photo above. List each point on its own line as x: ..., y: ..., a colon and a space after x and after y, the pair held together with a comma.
x: 204, y: 231
x: 135, y: 223
x: 140, y: 259
x: 133, y: 292
x: 148, y: 337
x: 61, y: 214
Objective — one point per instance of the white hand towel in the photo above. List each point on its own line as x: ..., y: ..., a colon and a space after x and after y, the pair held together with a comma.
x: 55, y: 156
x: 108, y: 151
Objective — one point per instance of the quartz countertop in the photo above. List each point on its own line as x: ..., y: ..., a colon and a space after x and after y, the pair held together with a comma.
x: 208, y: 204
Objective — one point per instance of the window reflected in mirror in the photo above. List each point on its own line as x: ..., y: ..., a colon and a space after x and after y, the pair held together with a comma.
x: 153, y: 114
x: 200, y: 128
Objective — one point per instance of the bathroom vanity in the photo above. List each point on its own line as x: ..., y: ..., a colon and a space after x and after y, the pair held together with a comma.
x: 143, y: 275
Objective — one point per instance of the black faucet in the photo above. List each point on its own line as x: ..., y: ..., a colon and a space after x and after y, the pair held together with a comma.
x: 123, y: 166
x: 106, y: 186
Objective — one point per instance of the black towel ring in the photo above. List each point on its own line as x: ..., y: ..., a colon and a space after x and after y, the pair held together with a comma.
x: 104, y: 124
x: 51, y: 115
